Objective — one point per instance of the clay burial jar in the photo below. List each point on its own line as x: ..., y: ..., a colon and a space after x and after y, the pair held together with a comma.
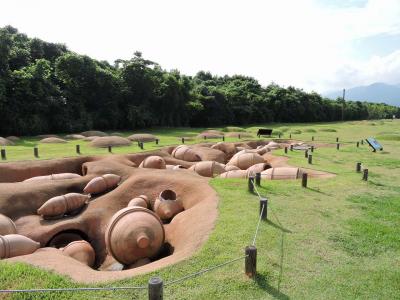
x: 81, y: 251
x: 235, y: 174
x: 208, y: 168
x: 153, y: 162
x: 231, y: 168
x: 258, y: 168
x: 102, y: 183
x: 15, y: 245
x: 245, y: 160
x: 61, y: 205
x: 7, y: 225
x: 175, y: 167
x: 134, y: 233
x: 141, y: 201
x: 282, y: 173
x: 183, y: 152
x: 166, y: 206
x: 59, y: 176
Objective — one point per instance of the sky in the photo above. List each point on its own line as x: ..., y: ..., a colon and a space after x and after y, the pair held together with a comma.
x: 319, y: 45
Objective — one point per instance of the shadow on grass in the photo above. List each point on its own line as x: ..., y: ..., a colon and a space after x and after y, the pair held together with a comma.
x: 278, y: 226
x: 318, y: 191
x: 262, y: 281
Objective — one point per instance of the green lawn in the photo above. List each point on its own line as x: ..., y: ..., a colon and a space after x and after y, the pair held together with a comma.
x: 337, y: 239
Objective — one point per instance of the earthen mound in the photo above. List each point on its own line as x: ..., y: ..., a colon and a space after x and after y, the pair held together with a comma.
x: 5, y: 142
x: 210, y: 135
x: 75, y: 136
x: 239, y: 134
x: 105, y: 141
x: 13, y: 138
x: 93, y: 133
x: 52, y: 140
x: 116, y: 134
x: 44, y: 136
x: 90, y: 138
x: 142, y: 137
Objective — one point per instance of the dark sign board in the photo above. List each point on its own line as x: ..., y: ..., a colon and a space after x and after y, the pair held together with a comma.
x: 374, y: 144
x: 264, y: 131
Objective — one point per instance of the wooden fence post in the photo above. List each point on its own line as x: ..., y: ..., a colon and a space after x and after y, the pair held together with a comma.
x: 156, y: 288
x: 304, y: 180
x: 250, y: 261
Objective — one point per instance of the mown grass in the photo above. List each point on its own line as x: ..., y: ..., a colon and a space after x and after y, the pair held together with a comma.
x: 337, y: 239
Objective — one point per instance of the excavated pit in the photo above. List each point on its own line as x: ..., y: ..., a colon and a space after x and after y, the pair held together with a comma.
x: 184, y: 234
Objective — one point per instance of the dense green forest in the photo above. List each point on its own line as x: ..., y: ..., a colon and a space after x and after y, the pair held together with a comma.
x: 44, y: 87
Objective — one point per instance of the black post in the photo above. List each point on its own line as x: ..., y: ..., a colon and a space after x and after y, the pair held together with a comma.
x: 337, y: 146
x: 264, y: 212
x: 183, y: 140
x: 78, y: 149
x: 223, y: 138
x: 290, y: 135
x: 312, y: 148
x: 110, y: 149
x: 365, y: 175
x: 310, y: 159
x: 250, y: 184
x: 3, y: 154
x: 250, y: 262
x: 279, y: 135
x: 291, y: 147
x: 285, y: 149
x: 358, y: 144
x: 362, y: 142
x: 155, y: 287
x: 141, y: 145
x: 304, y: 180
x: 205, y: 137
x: 337, y: 140
x: 258, y: 179
x: 239, y: 136
x: 306, y: 154
x: 312, y: 138
x: 36, y: 152
x: 157, y: 140
x: 358, y: 167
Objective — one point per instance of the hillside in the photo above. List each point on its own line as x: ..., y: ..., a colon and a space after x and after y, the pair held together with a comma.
x: 377, y: 92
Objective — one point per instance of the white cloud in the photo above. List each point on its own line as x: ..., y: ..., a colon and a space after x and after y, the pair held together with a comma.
x: 297, y: 43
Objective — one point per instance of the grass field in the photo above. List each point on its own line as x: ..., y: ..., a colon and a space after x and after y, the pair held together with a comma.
x: 337, y: 239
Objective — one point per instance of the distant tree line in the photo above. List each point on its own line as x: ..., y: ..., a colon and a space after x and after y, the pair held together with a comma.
x: 46, y: 88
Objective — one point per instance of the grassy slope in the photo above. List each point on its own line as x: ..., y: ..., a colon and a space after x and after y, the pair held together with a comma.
x: 338, y: 239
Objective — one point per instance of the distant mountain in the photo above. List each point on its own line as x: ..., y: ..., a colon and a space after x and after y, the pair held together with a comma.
x: 377, y: 92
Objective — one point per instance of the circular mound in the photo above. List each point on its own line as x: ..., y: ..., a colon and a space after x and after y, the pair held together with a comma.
x: 234, y: 129
x: 5, y: 142
x: 74, y: 137
x: 236, y: 134
x: 44, y: 136
x: 13, y: 138
x: 210, y: 135
x: 91, y: 138
x: 93, y: 133
x: 116, y: 134
x: 52, y: 140
x: 142, y: 137
x: 105, y: 141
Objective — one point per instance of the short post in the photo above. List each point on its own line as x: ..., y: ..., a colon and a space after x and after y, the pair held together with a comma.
x: 312, y: 138
x: 157, y: 140
x: 337, y: 146
x: 310, y: 159
x: 155, y: 287
x: 362, y: 142
x: 337, y: 140
x: 290, y: 136
x: 205, y: 137
x: 251, y: 184
x: 358, y: 144
x: 110, y: 149
x: 239, y: 136
x: 36, y: 152
x: 304, y: 180
x: 250, y: 261
x: 258, y: 179
x: 312, y: 148
x: 223, y: 138
x: 3, y: 154
x: 264, y: 208
x: 291, y: 147
x: 306, y: 154
x: 365, y: 175
x: 279, y: 135
x: 141, y: 145
x: 78, y: 149
x: 358, y: 167
x: 286, y: 150
x: 183, y: 140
